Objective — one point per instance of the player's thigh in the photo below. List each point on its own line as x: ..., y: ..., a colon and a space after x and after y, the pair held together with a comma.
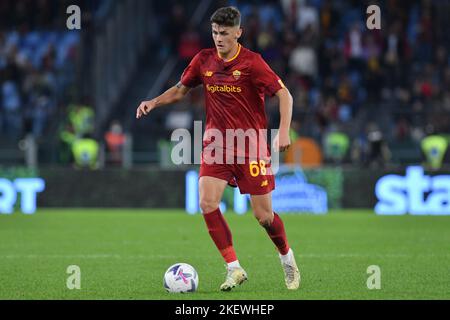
x: 210, y: 192
x: 262, y: 208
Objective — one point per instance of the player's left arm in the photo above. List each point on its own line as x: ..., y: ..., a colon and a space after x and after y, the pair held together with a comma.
x: 282, y: 140
x: 265, y: 78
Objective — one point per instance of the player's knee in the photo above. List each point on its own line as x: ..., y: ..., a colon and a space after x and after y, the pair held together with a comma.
x: 208, y: 205
x: 265, y: 220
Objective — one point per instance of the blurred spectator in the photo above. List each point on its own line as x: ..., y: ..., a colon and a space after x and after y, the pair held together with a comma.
x: 307, y: 16
x: 354, y: 47
x: 11, y: 104
x: 39, y: 113
x: 303, y: 61
x: 359, y: 152
x: 402, y: 129
x: 267, y: 43
x: 328, y: 19
x: 190, y: 44
x: 115, y: 140
x: 81, y: 118
x: 290, y: 10
x: 434, y: 148
x: 336, y: 146
x: 378, y: 151
x: 85, y: 152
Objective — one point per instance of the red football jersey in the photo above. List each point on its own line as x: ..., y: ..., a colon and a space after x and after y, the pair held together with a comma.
x: 234, y: 91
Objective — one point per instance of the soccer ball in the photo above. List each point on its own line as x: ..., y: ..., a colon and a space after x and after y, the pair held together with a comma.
x: 180, y: 278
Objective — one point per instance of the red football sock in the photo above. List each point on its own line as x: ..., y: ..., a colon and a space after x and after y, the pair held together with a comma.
x: 221, y: 234
x: 278, y: 235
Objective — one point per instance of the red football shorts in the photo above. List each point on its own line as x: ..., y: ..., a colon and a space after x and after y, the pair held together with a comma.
x: 252, y: 177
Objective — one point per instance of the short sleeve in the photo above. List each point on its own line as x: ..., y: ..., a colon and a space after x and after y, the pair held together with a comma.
x: 191, y: 75
x: 264, y: 77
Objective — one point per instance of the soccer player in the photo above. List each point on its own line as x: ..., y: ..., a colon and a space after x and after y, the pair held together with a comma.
x: 235, y: 81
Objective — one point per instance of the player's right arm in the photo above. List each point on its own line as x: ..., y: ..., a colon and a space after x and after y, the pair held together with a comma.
x: 172, y: 95
x: 189, y: 79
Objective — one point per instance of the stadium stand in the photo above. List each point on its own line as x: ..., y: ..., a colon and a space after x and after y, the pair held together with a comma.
x: 341, y: 74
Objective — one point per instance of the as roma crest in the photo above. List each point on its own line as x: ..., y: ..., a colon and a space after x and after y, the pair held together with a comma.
x: 236, y: 74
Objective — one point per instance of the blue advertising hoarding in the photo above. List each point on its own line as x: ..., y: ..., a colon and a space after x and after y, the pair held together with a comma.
x: 292, y: 194
x: 415, y: 193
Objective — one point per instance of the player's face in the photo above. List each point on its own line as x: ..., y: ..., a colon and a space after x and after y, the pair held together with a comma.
x: 225, y: 38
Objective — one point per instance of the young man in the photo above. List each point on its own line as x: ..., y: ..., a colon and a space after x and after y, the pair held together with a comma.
x: 235, y: 81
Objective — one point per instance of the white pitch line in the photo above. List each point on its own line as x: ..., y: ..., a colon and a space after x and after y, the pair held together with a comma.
x: 158, y: 256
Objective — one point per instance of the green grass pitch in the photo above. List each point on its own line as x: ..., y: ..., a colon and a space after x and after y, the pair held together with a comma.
x: 123, y: 254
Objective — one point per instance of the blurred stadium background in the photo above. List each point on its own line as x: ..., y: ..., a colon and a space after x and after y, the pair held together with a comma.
x: 362, y: 98
x: 367, y: 103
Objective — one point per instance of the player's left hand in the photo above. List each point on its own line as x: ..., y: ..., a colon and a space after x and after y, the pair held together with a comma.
x: 281, y: 142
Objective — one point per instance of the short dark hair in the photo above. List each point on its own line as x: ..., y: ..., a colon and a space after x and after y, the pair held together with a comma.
x: 227, y: 16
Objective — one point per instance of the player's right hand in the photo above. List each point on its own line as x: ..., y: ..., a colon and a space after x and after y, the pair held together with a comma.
x: 144, y: 108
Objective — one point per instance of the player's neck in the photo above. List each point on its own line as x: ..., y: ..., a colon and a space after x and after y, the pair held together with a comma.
x: 231, y: 54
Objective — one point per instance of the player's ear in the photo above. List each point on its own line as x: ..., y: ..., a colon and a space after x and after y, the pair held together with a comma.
x: 238, y: 33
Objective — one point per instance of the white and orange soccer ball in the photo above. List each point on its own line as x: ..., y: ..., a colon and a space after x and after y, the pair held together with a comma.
x: 180, y: 278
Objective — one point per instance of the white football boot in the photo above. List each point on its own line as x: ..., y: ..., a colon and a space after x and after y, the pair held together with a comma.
x: 235, y: 277
x: 291, y: 272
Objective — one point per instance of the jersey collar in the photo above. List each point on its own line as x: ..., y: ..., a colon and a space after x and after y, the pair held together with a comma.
x: 234, y: 57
